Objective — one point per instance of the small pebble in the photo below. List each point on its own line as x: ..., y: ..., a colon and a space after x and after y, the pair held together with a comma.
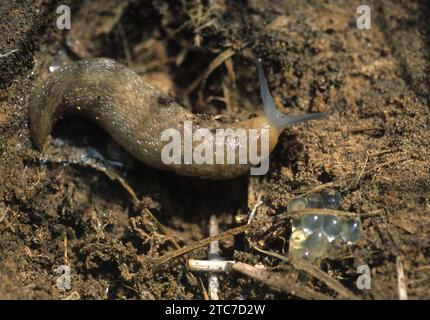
x: 351, y: 230
x: 296, y: 204
x: 331, y: 199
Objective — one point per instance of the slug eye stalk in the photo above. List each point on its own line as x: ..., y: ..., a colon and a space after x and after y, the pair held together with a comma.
x: 277, y: 118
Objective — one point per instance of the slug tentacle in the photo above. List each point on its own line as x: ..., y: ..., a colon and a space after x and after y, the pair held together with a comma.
x: 277, y: 118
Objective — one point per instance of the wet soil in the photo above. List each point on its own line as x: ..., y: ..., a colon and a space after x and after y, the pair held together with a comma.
x: 373, y: 146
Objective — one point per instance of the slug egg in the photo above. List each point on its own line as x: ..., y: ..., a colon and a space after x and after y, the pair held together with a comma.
x: 351, y: 230
x: 331, y: 226
x: 313, y: 201
x: 297, y: 238
x: 319, y: 234
x: 317, y: 243
x: 296, y: 249
x: 311, y: 222
x: 296, y: 204
x: 331, y: 199
x: 301, y: 254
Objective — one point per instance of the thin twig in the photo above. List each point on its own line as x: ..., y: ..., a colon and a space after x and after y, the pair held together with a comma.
x: 8, y: 53
x: 329, y: 281
x: 275, y: 280
x: 356, y: 180
x: 267, y: 252
x: 3, y: 215
x: 313, y: 189
x: 214, y: 255
x: 401, y: 279
x: 202, y: 243
x: 202, y: 286
x: 162, y: 228
x: 301, y: 212
x: 278, y: 281
x: 383, y: 152
x: 254, y: 209
x: 219, y: 60
x: 125, y: 44
x: 66, y: 258
x: 209, y: 265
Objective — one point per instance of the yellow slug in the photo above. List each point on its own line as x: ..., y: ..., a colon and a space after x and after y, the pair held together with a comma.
x: 135, y: 114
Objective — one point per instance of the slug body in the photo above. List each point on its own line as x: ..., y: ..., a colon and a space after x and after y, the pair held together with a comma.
x: 136, y: 114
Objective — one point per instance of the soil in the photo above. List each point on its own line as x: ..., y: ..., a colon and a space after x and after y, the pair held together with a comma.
x: 373, y: 146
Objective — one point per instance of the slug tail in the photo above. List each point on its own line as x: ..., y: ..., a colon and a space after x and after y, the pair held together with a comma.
x: 41, y: 112
x: 277, y: 118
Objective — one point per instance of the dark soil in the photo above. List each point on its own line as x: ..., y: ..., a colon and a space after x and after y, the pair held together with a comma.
x: 374, y: 146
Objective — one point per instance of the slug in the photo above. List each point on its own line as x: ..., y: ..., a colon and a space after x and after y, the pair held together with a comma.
x: 135, y: 114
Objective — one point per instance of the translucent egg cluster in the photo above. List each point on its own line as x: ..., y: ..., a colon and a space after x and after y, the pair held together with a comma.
x: 319, y: 234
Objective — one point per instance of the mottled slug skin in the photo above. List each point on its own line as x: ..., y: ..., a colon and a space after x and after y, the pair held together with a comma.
x: 131, y: 111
